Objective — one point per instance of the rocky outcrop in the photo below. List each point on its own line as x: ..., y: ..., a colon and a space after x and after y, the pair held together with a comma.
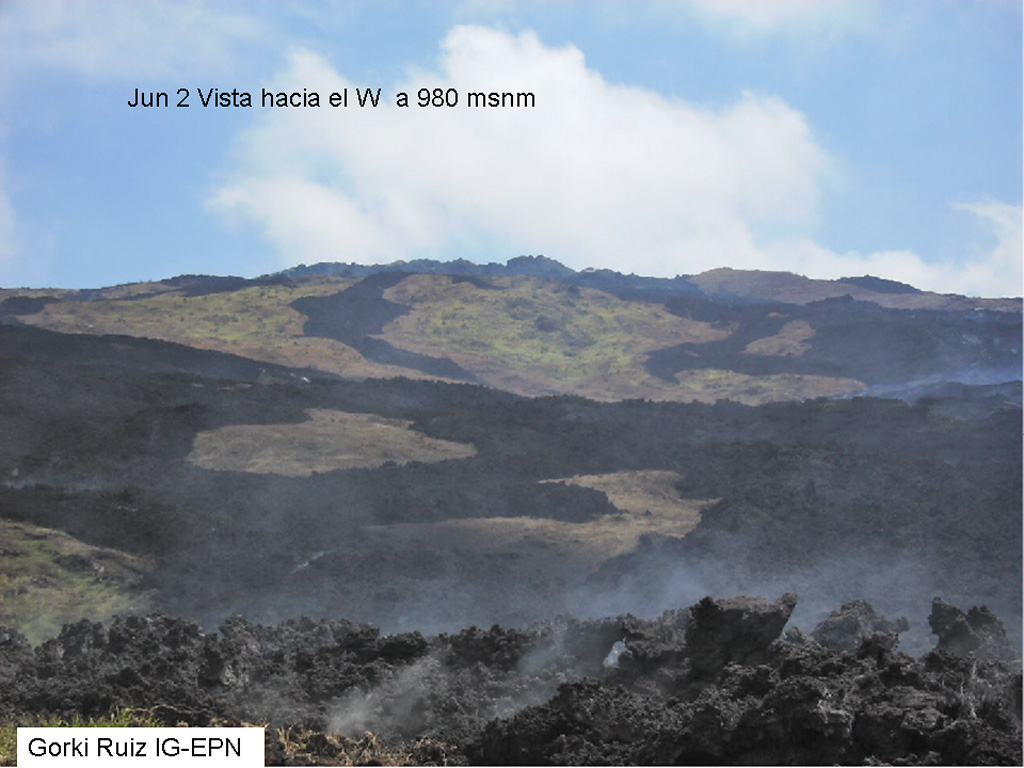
x: 847, y: 627
x: 978, y: 633
x: 751, y: 698
x: 737, y: 630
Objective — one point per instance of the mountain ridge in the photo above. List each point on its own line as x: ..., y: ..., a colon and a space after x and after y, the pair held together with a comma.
x: 535, y: 327
x: 542, y: 266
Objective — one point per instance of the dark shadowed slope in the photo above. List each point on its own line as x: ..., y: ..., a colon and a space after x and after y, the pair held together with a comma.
x: 902, y: 502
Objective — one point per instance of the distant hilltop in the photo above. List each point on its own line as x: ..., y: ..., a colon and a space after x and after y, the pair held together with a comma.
x: 722, y: 283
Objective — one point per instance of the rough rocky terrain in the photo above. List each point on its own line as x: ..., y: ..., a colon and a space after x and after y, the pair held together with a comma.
x: 715, y: 684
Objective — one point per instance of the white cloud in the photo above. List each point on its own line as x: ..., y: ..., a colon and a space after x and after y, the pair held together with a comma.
x: 994, y: 270
x: 753, y: 18
x: 596, y: 174
x: 7, y: 219
x: 118, y: 40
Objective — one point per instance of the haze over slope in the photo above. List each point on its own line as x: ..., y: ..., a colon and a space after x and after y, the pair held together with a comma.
x: 318, y: 442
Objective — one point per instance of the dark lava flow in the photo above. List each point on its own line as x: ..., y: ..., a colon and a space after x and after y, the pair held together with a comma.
x: 837, y: 500
x: 714, y: 684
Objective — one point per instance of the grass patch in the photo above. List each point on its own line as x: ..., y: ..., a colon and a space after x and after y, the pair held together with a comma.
x: 538, y: 337
x: 647, y: 493
x: 120, y: 718
x: 8, y: 744
x: 327, y: 441
x: 709, y: 384
x: 648, y: 503
x: 305, y: 746
x: 790, y: 341
x: 255, y: 322
x: 48, y: 579
x: 258, y: 316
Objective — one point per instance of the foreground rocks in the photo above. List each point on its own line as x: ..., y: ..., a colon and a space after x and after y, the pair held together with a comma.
x: 714, y: 684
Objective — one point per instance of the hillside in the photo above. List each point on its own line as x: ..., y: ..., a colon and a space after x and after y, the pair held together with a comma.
x: 534, y: 327
x: 238, y: 423
x: 431, y: 447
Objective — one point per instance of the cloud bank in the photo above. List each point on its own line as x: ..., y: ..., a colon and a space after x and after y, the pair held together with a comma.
x: 596, y: 175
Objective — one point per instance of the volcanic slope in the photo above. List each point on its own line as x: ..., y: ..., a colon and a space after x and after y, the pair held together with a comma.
x: 250, y: 440
x: 818, y: 495
x: 534, y: 327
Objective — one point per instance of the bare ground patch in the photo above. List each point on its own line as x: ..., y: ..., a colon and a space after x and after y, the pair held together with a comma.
x: 648, y: 501
x: 329, y: 440
x: 791, y: 340
x: 650, y: 493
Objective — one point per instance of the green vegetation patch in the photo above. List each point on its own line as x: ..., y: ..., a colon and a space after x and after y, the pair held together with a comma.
x: 119, y: 718
x: 8, y: 743
x: 305, y: 746
x: 256, y: 316
x: 547, y: 553
x: 536, y: 336
x: 256, y: 322
x: 528, y: 335
x: 711, y: 384
x: 48, y: 579
x: 791, y: 341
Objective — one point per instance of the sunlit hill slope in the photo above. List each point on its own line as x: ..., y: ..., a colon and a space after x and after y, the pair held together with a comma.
x: 534, y: 327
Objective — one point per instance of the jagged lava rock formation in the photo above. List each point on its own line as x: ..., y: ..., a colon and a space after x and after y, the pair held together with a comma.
x: 715, y: 684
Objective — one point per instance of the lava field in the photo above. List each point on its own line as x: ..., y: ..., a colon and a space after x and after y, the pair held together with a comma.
x: 718, y: 683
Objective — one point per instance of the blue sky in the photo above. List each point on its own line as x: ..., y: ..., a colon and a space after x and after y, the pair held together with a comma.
x: 823, y: 137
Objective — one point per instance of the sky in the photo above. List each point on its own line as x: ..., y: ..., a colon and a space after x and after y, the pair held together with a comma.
x: 824, y: 137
